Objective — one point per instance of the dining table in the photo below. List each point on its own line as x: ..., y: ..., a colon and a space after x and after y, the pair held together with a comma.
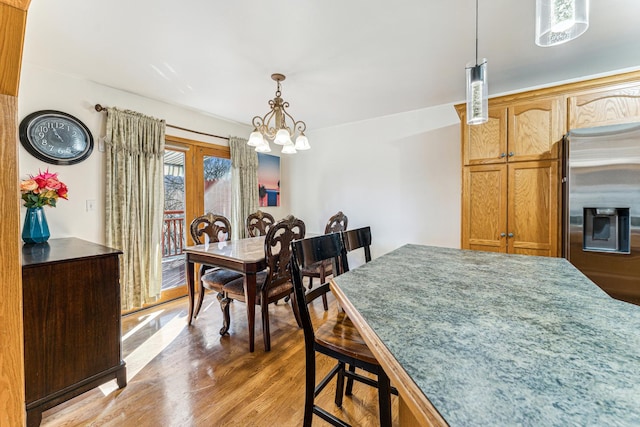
x: 246, y: 256
x: 472, y: 338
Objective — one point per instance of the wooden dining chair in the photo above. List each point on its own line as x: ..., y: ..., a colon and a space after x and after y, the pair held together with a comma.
x: 258, y: 223
x: 336, y: 337
x: 359, y: 238
x: 218, y: 229
x: 322, y: 270
x: 273, y: 283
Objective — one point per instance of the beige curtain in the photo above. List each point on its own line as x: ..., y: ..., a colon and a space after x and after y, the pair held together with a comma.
x: 244, y: 185
x: 135, y: 202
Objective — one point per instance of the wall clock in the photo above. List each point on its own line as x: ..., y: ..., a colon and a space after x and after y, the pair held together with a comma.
x: 56, y: 137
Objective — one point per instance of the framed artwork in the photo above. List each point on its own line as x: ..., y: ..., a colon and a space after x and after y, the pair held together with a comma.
x: 268, y: 180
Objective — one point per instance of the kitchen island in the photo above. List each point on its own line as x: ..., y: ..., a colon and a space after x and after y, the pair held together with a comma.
x: 474, y: 338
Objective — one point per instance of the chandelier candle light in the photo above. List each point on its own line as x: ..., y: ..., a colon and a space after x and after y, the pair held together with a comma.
x: 559, y: 21
x: 273, y: 126
x: 477, y: 89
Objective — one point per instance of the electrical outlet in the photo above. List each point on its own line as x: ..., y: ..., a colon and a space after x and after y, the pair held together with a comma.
x: 91, y: 205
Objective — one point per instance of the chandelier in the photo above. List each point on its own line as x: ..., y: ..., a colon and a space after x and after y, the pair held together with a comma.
x: 279, y: 126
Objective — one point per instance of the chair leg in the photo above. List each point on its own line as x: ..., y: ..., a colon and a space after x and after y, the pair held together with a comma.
x: 340, y: 385
x: 296, y: 312
x: 201, y: 297
x: 226, y: 317
x: 309, y: 389
x: 384, y: 398
x: 349, y: 389
x: 324, y: 296
x: 266, y: 335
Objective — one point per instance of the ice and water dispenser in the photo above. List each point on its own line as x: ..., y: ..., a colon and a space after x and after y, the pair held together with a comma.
x: 606, y: 230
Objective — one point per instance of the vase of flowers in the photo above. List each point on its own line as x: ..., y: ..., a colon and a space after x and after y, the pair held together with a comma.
x: 38, y: 191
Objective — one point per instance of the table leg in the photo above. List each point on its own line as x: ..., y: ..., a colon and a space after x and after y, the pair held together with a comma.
x: 250, y: 294
x: 190, y: 267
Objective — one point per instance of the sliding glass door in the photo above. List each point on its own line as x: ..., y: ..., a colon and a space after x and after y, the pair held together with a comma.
x: 174, y: 226
x: 197, y: 179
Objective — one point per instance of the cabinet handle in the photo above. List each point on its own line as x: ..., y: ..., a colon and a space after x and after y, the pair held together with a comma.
x: 502, y: 155
x: 510, y: 235
x: 502, y: 234
x: 511, y: 153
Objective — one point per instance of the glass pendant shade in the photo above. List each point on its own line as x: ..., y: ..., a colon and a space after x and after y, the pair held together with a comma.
x: 559, y: 21
x: 477, y: 93
x: 282, y: 137
x: 255, y: 139
x: 302, y: 143
x: 288, y: 149
x: 264, y: 147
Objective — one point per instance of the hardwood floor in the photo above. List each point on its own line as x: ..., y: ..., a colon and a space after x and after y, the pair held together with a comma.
x: 191, y: 376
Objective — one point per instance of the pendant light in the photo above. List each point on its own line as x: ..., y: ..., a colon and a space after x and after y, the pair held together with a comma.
x: 559, y: 21
x: 477, y: 89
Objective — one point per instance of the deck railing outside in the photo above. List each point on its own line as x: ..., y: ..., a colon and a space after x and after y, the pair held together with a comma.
x: 173, y: 233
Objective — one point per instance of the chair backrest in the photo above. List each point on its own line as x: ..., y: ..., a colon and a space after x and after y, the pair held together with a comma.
x: 358, y: 238
x: 258, y: 223
x: 217, y: 227
x: 337, y: 222
x: 277, y: 249
x: 305, y: 253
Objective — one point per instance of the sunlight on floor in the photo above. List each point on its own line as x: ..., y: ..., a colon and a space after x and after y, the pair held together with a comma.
x: 146, y: 352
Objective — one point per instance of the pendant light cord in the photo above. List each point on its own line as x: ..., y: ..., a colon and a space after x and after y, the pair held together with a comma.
x: 476, y: 33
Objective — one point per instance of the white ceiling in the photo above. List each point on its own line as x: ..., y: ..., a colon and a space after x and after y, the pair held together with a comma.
x: 345, y: 60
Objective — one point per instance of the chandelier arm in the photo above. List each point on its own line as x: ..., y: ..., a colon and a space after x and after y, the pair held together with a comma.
x: 257, y: 122
x: 298, y: 125
x: 262, y: 124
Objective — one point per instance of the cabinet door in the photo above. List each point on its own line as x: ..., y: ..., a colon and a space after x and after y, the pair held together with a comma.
x: 484, y: 208
x: 71, y: 324
x: 605, y: 107
x: 533, y: 211
x: 535, y: 129
x: 486, y: 143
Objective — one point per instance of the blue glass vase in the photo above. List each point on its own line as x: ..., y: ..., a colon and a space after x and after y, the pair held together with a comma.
x: 36, y: 229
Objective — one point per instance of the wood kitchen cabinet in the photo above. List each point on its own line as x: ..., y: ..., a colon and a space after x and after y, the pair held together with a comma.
x: 511, y: 191
x: 71, y: 311
x: 511, y: 181
x: 520, y: 131
x: 511, y: 208
x: 605, y: 106
x: 486, y: 143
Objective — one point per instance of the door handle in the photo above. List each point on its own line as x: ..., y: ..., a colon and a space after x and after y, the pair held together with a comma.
x: 510, y: 235
x: 502, y: 234
x: 502, y: 155
x: 511, y: 153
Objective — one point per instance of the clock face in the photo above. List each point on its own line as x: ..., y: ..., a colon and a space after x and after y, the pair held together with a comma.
x: 56, y: 137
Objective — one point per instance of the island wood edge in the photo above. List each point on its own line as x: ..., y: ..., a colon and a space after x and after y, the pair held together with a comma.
x: 411, y: 397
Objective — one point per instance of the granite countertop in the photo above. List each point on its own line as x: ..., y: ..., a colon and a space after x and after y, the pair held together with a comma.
x: 494, y: 339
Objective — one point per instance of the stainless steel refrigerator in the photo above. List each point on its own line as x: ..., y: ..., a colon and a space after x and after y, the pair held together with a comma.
x: 602, y: 207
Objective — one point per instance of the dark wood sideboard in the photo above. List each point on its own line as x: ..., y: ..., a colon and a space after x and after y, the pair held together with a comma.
x: 71, y: 310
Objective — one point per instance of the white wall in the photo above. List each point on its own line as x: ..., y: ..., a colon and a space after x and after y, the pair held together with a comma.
x: 41, y: 89
x: 400, y: 174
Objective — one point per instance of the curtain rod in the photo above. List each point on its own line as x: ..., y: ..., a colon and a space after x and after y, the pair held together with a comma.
x: 99, y: 108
